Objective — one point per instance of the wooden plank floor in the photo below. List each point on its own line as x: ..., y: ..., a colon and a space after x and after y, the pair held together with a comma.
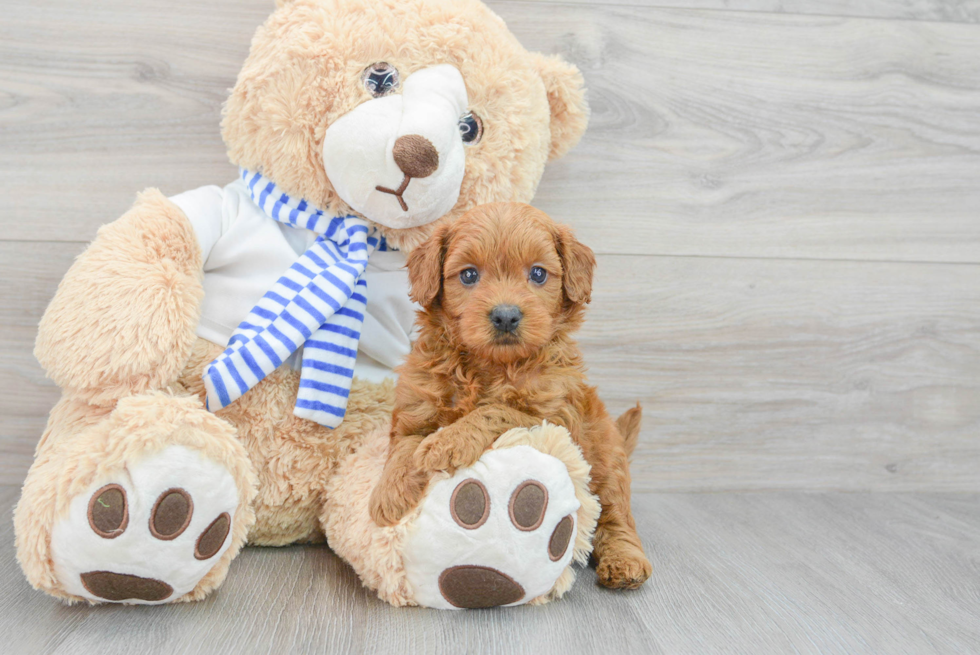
x: 733, y: 573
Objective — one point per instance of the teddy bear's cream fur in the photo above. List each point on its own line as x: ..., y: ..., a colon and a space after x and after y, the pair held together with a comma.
x: 119, y: 335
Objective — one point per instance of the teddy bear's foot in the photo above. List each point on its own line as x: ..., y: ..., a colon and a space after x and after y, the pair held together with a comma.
x: 148, y: 534
x: 499, y: 532
x: 504, y: 531
x: 146, y: 504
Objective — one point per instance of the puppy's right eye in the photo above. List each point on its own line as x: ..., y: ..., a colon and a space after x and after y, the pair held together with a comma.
x: 469, y: 276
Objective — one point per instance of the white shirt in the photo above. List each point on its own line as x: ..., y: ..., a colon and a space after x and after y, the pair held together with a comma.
x: 245, y: 252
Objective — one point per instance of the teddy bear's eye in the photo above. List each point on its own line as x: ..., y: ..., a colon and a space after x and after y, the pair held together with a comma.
x: 380, y: 79
x: 470, y: 128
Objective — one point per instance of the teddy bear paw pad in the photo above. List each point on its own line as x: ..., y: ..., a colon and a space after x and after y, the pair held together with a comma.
x: 496, y: 533
x: 148, y: 534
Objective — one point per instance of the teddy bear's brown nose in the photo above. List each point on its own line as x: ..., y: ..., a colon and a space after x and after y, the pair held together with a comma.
x: 415, y: 155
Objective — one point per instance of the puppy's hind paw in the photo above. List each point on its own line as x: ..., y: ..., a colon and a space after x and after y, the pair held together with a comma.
x: 626, y: 570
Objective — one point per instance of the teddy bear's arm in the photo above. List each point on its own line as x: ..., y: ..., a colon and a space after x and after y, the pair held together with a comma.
x: 123, y: 318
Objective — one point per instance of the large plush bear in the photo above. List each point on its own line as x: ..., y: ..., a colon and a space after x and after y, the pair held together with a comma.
x: 382, y: 118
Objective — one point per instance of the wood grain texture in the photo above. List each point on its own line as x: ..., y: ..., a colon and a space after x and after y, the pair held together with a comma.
x: 29, y: 275
x: 754, y: 373
x: 952, y: 11
x: 99, y: 100
x: 769, y: 374
x: 733, y: 573
x: 713, y: 133
x: 742, y: 134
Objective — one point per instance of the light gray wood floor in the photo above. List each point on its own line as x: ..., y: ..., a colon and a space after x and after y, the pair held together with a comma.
x: 733, y: 573
x: 785, y: 201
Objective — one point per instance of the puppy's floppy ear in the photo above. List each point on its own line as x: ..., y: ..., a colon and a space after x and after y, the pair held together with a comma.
x: 577, y: 262
x: 566, y: 96
x: 425, y: 267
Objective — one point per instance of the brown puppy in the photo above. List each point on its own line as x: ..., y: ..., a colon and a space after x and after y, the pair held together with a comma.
x: 502, y: 289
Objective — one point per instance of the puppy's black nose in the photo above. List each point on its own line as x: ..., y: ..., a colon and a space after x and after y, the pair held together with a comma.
x: 506, y: 318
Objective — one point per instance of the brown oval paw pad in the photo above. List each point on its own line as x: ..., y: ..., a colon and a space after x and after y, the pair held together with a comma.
x: 108, y: 512
x: 171, y: 514
x: 470, y: 504
x: 560, y: 537
x: 211, y: 540
x: 120, y: 586
x: 476, y: 587
x: 528, y: 504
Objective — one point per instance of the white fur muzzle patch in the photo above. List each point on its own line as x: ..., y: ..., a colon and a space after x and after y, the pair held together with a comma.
x: 359, y: 150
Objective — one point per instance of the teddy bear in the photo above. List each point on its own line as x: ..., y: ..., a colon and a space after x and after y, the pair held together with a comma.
x: 226, y: 354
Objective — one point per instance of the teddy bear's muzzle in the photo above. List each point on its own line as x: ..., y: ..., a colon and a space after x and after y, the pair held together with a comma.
x: 416, y: 157
x: 398, y: 160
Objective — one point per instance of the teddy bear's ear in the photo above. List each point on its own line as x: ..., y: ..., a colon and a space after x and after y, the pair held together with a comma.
x: 425, y: 267
x: 566, y: 95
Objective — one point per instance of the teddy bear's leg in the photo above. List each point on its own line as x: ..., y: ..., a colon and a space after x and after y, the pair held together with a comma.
x: 293, y: 458
x: 504, y: 531
x: 145, y: 503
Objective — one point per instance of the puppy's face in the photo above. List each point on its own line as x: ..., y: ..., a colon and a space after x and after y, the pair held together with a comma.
x: 506, y: 279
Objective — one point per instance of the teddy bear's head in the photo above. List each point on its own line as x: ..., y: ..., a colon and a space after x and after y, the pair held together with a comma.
x: 402, y: 111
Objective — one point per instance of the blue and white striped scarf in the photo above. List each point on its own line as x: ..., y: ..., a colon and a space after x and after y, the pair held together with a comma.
x: 318, y: 304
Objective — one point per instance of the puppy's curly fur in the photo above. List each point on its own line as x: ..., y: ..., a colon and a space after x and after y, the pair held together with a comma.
x: 467, y: 381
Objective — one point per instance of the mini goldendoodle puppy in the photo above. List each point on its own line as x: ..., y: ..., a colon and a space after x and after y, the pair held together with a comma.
x: 502, y: 290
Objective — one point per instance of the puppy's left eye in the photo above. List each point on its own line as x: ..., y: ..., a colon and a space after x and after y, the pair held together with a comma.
x: 469, y: 276
x: 538, y: 275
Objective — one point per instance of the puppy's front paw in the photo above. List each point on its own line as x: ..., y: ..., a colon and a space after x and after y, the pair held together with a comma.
x: 623, y: 568
x: 390, y: 503
x: 441, y: 452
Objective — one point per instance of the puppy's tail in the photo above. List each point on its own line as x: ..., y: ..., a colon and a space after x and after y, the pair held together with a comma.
x: 629, y: 426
